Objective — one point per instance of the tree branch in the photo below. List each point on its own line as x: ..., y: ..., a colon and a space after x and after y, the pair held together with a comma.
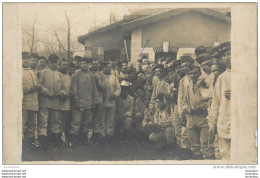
x: 59, y: 41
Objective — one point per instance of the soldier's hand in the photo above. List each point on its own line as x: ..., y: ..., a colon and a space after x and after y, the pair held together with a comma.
x: 227, y: 94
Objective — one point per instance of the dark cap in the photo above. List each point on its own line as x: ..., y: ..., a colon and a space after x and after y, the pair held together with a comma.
x: 71, y: 65
x: 200, y: 50
x: 77, y: 58
x: 176, y: 63
x: 224, y: 47
x: 42, y: 57
x: 215, y: 52
x: 53, y: 58
x: 34, y: 55
x: 25, y: 55
x: 158, y: 66
x: 203, y: 58
x: 192, y: 67
x: 187, y: 59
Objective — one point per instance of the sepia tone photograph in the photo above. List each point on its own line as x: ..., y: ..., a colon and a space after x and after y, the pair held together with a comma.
x: 127, y: 82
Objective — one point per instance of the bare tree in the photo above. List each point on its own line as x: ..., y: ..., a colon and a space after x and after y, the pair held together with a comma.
x: 31, y: 33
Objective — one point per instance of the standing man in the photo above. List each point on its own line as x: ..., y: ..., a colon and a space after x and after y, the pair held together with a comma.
x: 195, y: 111
x: 220, y: 109
x: 71, y: 68
x: 101, y: 91
x: 113, y: 90
x: 85, y: 98
x: 29, y: 103
x: 184, y: 82
x: 65, y: 102
x: 53, y: 89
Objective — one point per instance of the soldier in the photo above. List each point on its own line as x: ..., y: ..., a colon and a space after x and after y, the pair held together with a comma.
x: 85, y: 98
x: 52, y: 91
x: 113, y: 91
x: 125, y: 109
x: 220, y: 109
x: 160, y: 127
x: 101, y: 90
x: 29, y: 102
x: 42, y: 64
x: 184, y: 82
x: 71, y: 69
x: 194, y: 106
x: 65, y: 103
x: 161, y: 86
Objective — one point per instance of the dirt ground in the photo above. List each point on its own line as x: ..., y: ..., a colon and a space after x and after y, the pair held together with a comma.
x: 114, y: 151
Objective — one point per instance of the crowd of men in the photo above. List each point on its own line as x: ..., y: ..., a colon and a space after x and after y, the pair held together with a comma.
x: 182, y: 106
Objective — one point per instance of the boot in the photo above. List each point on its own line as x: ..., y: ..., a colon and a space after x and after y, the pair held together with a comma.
x: 24, y: 145
x: 30, y: 143
x: 58, y: 140
x: 72, y: 140
x: 42, y: 142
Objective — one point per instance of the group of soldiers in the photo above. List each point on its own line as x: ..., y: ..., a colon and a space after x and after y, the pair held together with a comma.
x: 181, y: 106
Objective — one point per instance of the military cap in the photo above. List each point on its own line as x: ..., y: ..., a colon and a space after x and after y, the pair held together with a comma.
x: 203, y: 59
x: 53, y: 58
x: 25, y: 55
x: 42, y: 57
x: 85, y: 59
x: 187, y: 59
x: 176, y: 63
x: 192, y: 67
x: 125, y: 83
x: 34, y: 55
x: 200, y: 50
x: 224, y: 47
x: 124, y: 61
x: 215, y: 52
x: 77, y: 58
x: 71, y: 65
x: 158, y: 66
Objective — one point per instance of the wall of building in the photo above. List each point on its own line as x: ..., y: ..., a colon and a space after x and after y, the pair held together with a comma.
x: 99, y: 43
x: 136, y: 41
x: 186, y: 30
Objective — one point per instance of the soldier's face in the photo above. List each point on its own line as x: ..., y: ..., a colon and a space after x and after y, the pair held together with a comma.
x: 107, y: 69
x: 53, y: 65
x: 71, y: 70
x: 206, y: 68
x: 84, y: 65
x: 42, y: 63
x: 94, y: 65
x: 113, y: 64
x: 194, y: 75
x: 185, y: 67
x: 64, y: 67
x: 33, y: 63
x: 26, y: 62
x: 160, y: 103
x: 226, y: 58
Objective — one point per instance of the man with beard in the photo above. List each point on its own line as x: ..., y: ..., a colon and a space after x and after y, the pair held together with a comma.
x: 219, y: 118
x: 101, y: 89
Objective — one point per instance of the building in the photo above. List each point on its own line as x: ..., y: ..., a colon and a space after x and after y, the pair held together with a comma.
x: 158, y: 34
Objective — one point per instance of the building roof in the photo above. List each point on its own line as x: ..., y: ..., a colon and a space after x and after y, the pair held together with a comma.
x: 144, y: 17
x: 174, y: 12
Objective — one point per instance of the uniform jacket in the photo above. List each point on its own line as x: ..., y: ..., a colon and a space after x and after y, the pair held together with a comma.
x: 53, y: 84
x: 65, y: 104
x: 113, y: 87
x: 30, y: 99
x: 220, y: 107
x: 125, y: 106
x: 83, y: 88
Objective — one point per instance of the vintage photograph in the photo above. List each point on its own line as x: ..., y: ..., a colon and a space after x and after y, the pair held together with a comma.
x: 125, y: 82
